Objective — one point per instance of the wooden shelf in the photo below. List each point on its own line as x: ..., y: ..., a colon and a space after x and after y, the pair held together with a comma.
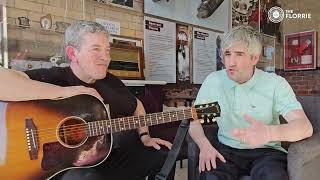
x: 126, y: 74
x: 142, y: 82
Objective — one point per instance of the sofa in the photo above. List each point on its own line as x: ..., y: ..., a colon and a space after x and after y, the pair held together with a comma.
x: 303, y: 156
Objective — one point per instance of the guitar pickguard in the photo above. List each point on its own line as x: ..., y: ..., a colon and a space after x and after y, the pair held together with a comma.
x: 56, y: 156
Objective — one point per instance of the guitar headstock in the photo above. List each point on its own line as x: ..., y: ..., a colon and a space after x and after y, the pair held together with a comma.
x: 207, y: 112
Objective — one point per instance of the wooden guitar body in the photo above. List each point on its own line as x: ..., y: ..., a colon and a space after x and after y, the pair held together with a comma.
x: 45, y: 137
x: 41, y: 138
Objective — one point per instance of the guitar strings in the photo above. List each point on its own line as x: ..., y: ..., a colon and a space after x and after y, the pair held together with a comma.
x: 108, y: 124
x: 131, y: 120
x: 134, y: 118
x: 44, y: 134
x: 75, y: 132
x: 97, y: 130
x: 75, y: 129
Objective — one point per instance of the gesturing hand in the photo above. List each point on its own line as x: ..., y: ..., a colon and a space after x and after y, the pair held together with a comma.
x: 255, y: 135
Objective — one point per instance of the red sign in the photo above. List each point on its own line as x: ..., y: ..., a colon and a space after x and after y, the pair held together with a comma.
x: 300, y: 50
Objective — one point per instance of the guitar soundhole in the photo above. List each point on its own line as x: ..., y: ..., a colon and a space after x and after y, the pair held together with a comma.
x: 72, y: 132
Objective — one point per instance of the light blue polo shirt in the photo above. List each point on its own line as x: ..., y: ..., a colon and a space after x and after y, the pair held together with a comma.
x: 264, y: 97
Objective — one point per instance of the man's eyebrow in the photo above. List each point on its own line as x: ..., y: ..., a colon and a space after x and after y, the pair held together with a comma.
x: 97, y: 45
x: 239, y: 52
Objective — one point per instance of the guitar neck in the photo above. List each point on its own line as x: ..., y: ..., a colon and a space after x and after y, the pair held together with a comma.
x: 97, y: 128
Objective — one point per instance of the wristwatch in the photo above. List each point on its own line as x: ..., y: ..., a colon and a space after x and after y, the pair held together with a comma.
x: 143, y: 134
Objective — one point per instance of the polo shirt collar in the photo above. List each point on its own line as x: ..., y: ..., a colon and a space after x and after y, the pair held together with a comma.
x: 249, y: 84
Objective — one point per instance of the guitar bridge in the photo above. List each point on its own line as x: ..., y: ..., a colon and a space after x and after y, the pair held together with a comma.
x: 32, y: 139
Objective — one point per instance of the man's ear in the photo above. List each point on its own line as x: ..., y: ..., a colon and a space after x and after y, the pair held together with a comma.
x: 255, y: 59
x: 71, y: 53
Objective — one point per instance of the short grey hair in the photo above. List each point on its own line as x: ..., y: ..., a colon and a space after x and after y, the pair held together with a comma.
x: 74, y: 33
x: 245, y: 35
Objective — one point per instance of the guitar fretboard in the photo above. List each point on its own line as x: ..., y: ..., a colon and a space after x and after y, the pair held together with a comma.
x: 97, y: 128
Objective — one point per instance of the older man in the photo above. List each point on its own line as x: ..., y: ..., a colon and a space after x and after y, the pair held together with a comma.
x: 88, y: 49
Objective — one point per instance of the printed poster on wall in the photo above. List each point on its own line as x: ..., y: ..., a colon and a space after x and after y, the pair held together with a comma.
x: 160, y: 50
x: 206, y: 54
x: 1, y: 37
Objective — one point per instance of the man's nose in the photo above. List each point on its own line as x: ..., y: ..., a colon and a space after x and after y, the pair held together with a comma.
x: 232, y: 60
x: 105, y: 56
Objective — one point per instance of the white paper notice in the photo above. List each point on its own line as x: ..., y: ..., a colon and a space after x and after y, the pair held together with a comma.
x: 111, y: 26
x: 160, y: 50
x: 204, y: 54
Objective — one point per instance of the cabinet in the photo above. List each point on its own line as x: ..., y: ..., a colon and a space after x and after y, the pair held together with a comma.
x: 126, y: 61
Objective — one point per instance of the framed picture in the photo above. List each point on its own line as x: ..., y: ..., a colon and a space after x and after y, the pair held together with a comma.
x: 246, y: 12
x: 127, y: 3
x: 300, y: 50
x: 119, y: 3
x: 213, y: 14
x: 183, y: 53
x: 1, y: 37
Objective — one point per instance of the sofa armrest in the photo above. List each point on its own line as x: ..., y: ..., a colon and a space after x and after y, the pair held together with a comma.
x: 304, y: 159
x: 193, y: 150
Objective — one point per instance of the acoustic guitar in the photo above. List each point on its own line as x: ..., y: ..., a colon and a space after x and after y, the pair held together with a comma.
x: 41, y: 138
